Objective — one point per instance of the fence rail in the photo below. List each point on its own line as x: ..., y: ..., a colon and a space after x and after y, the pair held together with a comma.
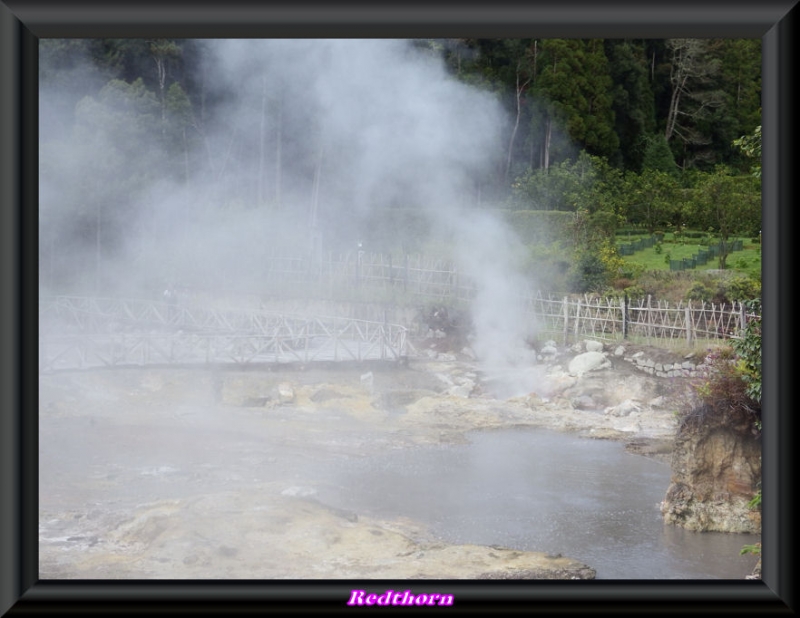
x: 82, y: 332
x: 560, y: 318
x: 77, y: 333
x: 614, y: 319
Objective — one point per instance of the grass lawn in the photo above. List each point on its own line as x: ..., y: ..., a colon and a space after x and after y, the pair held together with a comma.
x: 747, y: 261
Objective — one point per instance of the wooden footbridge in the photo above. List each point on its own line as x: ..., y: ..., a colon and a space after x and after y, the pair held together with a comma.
x: 78, y: 333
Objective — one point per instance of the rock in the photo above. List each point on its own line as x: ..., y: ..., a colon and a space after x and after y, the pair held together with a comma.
x: 549, y: 351
x: 716, y: 470
x: 460, y: 391
x: 299, y: 491
x: 584, y: 402
x: 467, y: 351
x: 533, y: 400
x: 593, y: 346
x: 619, y: 351
x: 588, y: 361
x: 623, y: 409
x: 367, y: 380
x: 285, y: 393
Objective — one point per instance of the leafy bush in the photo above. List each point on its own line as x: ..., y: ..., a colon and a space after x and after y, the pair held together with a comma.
x: 748, y: 347
x: 742, y: 289
x: 726, y: 392
x: 699, y: 292
x: 635, y: 292
x: 588, y: 274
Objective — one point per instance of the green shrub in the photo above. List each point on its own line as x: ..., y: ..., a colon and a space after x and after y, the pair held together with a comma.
x: 725, y: 393
x: 588, y: 274
x: 699, y: 292
x: 742, y: 288
x: 748, y: 347
x: 635, y: 292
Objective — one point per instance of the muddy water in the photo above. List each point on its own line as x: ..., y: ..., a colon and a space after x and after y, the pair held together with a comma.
x: 545, y: 491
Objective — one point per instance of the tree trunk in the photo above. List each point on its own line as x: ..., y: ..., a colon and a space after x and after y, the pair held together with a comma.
x: 260, y: 196
x: 519, y: 90
x: 279, y: 151
x: 548, y: 131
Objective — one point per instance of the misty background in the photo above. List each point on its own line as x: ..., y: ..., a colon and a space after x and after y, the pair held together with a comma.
x: 194, y: 163
x: 294, y: 147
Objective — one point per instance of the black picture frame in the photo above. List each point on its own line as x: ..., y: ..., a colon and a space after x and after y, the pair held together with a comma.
x: 22, y: 23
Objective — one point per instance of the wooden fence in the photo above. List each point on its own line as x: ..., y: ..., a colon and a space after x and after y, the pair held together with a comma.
x: 563, y: 319
x: 614, y: 319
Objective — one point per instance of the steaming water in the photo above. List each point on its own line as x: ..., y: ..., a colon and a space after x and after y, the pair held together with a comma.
x: 547, y: 491
x: 527, y: 489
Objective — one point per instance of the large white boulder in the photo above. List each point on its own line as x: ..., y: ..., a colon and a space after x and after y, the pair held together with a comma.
x: 588, y: 361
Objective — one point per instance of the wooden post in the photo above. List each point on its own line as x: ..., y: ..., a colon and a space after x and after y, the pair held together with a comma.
x: 566, y: 319
x: 742, y: 317
x: 577, y: 319
x: 689, y: 325
x: 625, y: 316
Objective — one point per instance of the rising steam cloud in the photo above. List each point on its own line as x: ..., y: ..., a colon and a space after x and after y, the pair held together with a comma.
x: 306, y: 140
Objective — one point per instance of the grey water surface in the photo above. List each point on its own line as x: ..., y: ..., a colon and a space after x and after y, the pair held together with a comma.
x: 543, y: 490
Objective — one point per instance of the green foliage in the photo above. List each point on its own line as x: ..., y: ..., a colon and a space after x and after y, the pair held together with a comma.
x: 538, y: 226
x: 651, y: 199
x: 727, y: 390
x: 748, y: 347
x: 635, y: 292
x: 588, y: 273
x: 742, y: 288
x: 575, y: 81
x: 699, y: 292
x: 750, y: 145
x: 595, y: 267
x: 658, y: 156
x: 751, y: 549
x: 728, y: 204
x: 588, y: 182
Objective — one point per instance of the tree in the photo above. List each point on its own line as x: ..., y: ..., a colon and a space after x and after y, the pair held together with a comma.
x: 657, y: 155
x: 633, y: 100
x: 589, y: 183
x: 651, y: 199
x: 693, y: 69
x: 729, y: 205
x: 576, y: 85
x: 750, y: 145
x: 110, y: 149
